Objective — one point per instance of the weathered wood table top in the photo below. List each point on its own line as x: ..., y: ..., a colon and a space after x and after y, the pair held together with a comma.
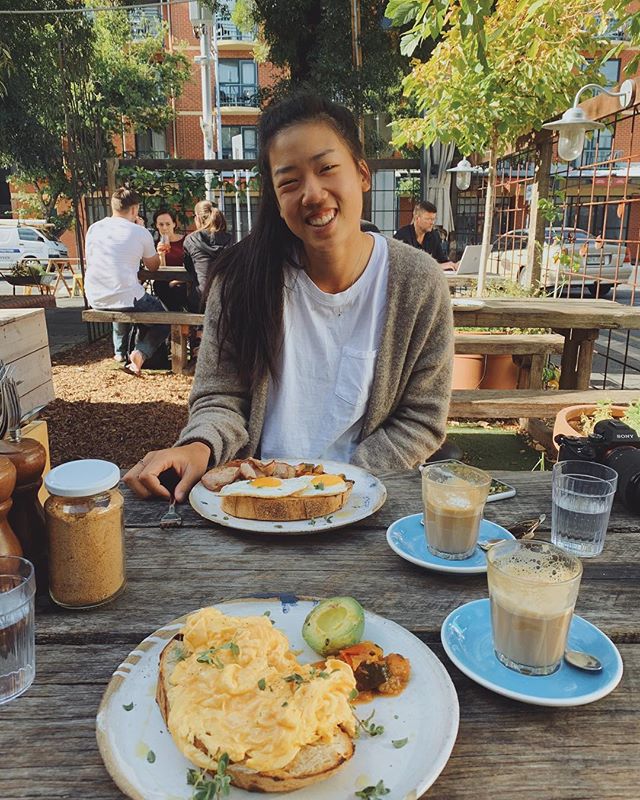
x: 504, y: 750
x: 549, y: 312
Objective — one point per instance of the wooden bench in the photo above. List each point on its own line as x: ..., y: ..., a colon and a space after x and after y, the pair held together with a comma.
x: 529, y: 351
x: 180, y: 321
x: 527, y: 403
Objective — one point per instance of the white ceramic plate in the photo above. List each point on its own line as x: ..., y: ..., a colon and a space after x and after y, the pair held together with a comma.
x: 467, y: 303
x: 142, y: 759
x: 367, y: 496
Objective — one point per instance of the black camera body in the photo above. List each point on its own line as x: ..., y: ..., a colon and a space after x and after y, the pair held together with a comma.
x: 614, y: 444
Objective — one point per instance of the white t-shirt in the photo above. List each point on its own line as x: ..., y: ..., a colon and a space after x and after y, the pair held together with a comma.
x: 317, y: 408
x: 114, y: 247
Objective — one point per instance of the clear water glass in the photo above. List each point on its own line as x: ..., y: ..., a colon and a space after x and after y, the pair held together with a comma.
x: 17, y: 628
x: 583, y: 494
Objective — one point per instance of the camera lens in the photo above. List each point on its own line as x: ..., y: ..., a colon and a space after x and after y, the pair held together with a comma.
x: 626, y: 462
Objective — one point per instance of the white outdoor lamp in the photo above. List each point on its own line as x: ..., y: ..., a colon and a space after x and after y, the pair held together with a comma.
x: 574, y: 123
x: 464, y: 169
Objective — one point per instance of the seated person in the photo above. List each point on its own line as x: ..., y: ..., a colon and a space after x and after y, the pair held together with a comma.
x: 114, y: 247
x: 420, y: 233
x: 203, y: 247
x: 320, y: 340
x: 174, y: 294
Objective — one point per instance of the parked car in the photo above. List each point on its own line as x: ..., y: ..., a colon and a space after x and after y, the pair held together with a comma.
x: 21, y: 242
x: 569, y: 256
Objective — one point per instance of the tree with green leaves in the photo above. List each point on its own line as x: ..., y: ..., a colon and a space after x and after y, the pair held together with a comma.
x: 76, y: 76
x: 311, y: 43
x: 534, y: 61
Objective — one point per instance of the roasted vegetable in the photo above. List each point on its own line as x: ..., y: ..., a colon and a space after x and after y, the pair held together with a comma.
x: 333, y: 624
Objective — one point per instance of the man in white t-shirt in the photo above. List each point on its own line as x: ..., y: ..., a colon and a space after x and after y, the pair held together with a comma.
x: 114, y: 248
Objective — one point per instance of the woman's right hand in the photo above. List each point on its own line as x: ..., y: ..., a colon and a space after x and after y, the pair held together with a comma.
x: 190, y: 461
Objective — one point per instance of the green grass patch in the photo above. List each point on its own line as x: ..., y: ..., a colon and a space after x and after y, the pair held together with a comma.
x: 493, y: 448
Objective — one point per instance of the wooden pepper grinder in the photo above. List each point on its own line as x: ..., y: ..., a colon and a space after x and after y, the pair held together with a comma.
x: 26, y: 516
x: 9, y: 544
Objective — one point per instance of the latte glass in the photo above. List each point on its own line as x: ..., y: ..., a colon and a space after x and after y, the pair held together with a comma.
x: 454, y: 496
x: 533, y: 587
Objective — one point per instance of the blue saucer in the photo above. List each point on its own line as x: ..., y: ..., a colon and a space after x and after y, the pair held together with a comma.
x: 406, y: 538
x: 467, y: 640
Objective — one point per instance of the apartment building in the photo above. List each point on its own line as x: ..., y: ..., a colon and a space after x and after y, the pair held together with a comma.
x: 238, y: 77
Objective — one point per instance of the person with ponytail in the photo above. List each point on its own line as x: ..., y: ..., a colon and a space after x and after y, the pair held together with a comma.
x: 321, y: 341
x: 203, y: 247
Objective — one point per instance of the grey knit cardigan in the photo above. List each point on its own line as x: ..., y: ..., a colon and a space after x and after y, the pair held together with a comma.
x: 405, y: 418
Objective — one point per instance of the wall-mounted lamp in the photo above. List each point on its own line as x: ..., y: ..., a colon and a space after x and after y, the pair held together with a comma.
x: 574, y: 123
x: 464, y: 169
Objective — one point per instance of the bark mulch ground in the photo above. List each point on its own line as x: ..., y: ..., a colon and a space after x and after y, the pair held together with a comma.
x: 100, y: 411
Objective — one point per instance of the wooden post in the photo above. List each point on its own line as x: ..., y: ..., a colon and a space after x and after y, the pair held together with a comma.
x: 488, y: 219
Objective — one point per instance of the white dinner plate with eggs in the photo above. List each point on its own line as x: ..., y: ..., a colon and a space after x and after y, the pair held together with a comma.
x: 367, y: 496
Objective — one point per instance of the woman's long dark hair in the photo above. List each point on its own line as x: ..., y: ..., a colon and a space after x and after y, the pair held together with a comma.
x: 252, y: 272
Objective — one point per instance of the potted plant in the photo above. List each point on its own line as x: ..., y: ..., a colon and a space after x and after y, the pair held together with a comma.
x: 25, y: 273
x: 580, y: 420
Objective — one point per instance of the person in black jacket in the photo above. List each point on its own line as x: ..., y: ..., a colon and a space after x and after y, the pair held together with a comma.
x: 202, y: 248
x: 420, y: 233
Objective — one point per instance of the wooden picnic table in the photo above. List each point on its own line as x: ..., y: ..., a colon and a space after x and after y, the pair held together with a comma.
x: 579, y: 321
x: 504, y: 750
x: 166, y: 274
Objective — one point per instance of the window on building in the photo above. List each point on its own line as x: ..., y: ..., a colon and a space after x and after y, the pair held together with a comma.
x: 597, y: 148
x: 145, y: 20
x: 238, y: 80
x: 226, y: 29
x: 151, y: 144
x: 610, y: 71
x: 249, y: 140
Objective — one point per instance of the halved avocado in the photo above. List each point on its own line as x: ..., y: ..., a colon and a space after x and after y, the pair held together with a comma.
x: 333, y: 624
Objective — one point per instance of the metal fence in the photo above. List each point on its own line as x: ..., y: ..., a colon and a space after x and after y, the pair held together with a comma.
x: 582, y: 218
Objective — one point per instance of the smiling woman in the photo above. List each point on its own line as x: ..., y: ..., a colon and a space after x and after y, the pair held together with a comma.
x: 320, y: 340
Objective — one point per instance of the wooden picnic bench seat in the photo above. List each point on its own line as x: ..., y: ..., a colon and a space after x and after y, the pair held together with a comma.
x: 528, y: 350
x: 180, y: 321
x: 527, y: 403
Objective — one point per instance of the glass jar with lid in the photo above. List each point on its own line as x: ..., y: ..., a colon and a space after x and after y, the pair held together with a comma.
x: 85, y: 526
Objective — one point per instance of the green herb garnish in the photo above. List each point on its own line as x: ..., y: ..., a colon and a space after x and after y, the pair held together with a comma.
x: 262, y: 684
x: 353, y: 694
x: 398, y: 743
x: 151, y: 756
x: 128, y: 707
x: 206, y: 788
x: 374, y: 792
x: 369, y: 727
x: 319, y: 487
x: 209, y: 656
x: 295, y: 678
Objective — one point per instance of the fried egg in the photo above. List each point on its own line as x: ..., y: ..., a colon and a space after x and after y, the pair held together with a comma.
x: 324, y: 485
x: 267, y: 486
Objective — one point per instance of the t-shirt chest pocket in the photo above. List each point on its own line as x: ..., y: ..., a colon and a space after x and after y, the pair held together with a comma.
x: 355, y: 376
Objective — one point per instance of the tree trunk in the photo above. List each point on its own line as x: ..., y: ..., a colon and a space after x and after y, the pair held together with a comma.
x: 488, y: 218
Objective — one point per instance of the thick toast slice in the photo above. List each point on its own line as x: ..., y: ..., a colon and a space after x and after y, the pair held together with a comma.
x: 313, y: 763
x: 285, y: 509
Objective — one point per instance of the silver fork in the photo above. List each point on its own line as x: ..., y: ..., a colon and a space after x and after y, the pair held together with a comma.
x: 171, y: 519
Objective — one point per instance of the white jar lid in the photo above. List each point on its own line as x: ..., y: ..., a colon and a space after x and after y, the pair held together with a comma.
x: 82, y: 478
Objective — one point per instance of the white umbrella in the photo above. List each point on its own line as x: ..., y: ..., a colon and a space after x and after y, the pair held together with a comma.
x: 438, y: 158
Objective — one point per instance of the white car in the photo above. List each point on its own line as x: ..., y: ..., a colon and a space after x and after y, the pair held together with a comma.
x: 569, y: 257
x: 20, y: 242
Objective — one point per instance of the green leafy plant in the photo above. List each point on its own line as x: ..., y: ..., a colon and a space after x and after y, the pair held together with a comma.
x: 604, y: 410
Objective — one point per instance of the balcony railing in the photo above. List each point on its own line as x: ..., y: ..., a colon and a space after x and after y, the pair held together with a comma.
x: 239, y: 94
x: 228, y: 31
x: 614, y: 31
x: 145, y: 22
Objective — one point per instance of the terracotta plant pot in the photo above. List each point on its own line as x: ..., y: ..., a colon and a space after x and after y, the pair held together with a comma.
x: 501, y: 373
x: 468, y: 371
x: 570, y: 414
